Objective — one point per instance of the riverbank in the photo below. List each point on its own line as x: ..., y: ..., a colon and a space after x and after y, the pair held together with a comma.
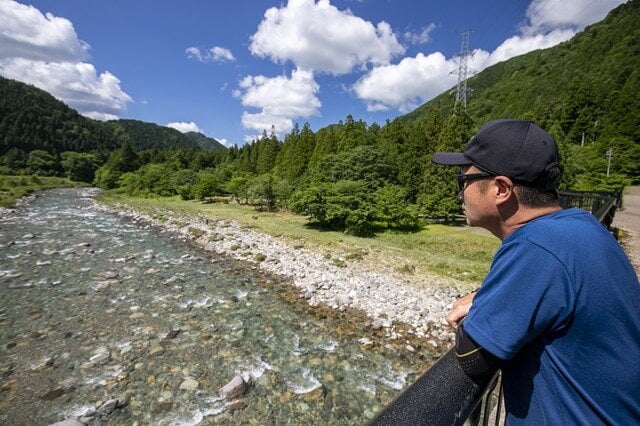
x: 392, y: 300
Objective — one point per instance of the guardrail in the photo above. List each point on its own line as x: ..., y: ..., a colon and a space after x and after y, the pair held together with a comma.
x: 602, y: 205
x: 443, y: 395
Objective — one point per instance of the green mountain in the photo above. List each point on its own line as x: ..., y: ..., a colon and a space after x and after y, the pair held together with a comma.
x: 204, y: 142
x: 144, y: 135
x: 32, y: 119
x: 589, y: 85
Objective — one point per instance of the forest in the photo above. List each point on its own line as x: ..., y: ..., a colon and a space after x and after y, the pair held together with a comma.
x: 355, y: 176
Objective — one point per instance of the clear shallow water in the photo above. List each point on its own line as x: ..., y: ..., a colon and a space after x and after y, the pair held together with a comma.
x: 94, y: 308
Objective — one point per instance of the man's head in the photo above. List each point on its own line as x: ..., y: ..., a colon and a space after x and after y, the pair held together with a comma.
x: 507, y: 165
x: 517, y: 149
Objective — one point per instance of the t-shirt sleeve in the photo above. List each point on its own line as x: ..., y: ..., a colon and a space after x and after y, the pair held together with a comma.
x: 527, y: 291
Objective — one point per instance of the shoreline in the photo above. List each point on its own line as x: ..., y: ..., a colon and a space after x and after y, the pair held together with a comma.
x: 394, y: 305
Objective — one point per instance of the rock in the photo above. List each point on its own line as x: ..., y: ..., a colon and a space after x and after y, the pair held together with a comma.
x: 173, y: 279
x: 102, y: 286
x: 52, y: 394
x: 172, y: 334
x: 108, y: 407
x: 102, y: 356
x: 110, y: 275
x: 156, y: 350
x: 189, y: 384
x: 68, y: 422
x: 236, y: 387
x: 237, y: 405
x: 163, y: 407
x: 316, y: 394
x: 365, y: 343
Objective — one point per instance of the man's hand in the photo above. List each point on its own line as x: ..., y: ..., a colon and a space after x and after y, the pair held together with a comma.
x: 459, y: 310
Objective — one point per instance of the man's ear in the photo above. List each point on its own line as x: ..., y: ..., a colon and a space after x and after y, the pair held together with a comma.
x: 503, y: 189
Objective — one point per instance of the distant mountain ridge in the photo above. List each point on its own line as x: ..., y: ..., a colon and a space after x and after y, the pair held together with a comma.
x: 32, y: 119
x: 204, y: 142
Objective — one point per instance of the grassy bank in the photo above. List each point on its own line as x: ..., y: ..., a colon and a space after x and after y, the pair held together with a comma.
x: 446, y: 251
x: 12, y: 188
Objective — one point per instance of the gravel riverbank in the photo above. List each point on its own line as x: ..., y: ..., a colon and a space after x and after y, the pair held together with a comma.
x: 418, y: 304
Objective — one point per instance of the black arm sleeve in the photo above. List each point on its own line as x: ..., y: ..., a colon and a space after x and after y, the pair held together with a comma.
x: 474, y: 360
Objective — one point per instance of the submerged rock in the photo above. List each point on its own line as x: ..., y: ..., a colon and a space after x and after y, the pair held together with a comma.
x: 190, y: 384
x: 68, y: 422
x: 236, y: 387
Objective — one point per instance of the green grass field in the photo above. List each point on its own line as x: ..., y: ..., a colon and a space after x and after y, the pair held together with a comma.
x: 12, y: 188
x: 447, y: 251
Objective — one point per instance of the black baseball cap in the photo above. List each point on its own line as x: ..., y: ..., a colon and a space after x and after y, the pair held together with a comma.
x: 518, y: 149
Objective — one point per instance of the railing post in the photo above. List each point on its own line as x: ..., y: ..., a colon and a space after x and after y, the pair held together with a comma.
x: 443, y: 395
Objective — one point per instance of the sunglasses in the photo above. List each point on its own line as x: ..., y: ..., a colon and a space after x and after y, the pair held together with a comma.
x: 470, y: 177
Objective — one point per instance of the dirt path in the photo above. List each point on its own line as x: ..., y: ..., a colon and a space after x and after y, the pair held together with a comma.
x: 627, y: 220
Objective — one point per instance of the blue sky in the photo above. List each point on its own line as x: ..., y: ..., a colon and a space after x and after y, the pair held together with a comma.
x: 230, y: 69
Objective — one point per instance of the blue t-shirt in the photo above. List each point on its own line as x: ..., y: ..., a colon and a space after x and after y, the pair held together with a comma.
x: 561, y: 303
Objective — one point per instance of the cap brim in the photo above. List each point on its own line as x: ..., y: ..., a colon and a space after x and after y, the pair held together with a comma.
x: 450, y: 159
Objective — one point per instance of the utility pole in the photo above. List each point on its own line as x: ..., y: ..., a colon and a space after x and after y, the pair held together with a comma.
x: 463, y: 73
x: 609, y: 154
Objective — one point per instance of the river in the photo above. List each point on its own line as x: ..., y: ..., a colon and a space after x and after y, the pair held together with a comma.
x: 110, y: 322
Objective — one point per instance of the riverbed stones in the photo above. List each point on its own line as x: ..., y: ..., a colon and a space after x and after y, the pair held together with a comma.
x: 100, y: 357
x: 156, y: 350
x: 380, y: 293
x: 189, y: 384
x: 108, y: 407
x: 68, y: 422
x: 236, y: 387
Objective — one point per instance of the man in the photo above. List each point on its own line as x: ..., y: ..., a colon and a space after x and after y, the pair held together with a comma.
x: 559, y: 310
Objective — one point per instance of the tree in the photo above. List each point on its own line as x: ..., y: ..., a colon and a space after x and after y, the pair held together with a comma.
x: 15, y: 159
x: 261, y: 193
x: 207, y: 185
x: 78, y: 166
x: 238, y: 187
x: 42, y: 163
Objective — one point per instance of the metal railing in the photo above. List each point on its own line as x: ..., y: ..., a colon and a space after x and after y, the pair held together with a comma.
x: 602, y: 205
x: 444, y: 395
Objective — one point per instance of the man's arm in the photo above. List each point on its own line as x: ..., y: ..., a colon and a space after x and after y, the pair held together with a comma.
x: 475, y: 361
x: 459, y: 310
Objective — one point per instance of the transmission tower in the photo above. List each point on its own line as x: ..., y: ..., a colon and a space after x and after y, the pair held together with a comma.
x: 463, y: 72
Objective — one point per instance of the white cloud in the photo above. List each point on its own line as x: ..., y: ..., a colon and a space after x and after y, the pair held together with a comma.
x: 319, y: 37
x: 547, y: 15
x: 195, y: 53
x: 214, y: 54
x: 224, y: 141
x: 184, y: 127
x: 424, y: 36
x: 414, y: 81
x: 221, y: 54
x: 279, y: 100
x: 44, y: 50
x: 405, y: 85
x: 77, y: 84
x: 27, y: 33
x: 518, y: 45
